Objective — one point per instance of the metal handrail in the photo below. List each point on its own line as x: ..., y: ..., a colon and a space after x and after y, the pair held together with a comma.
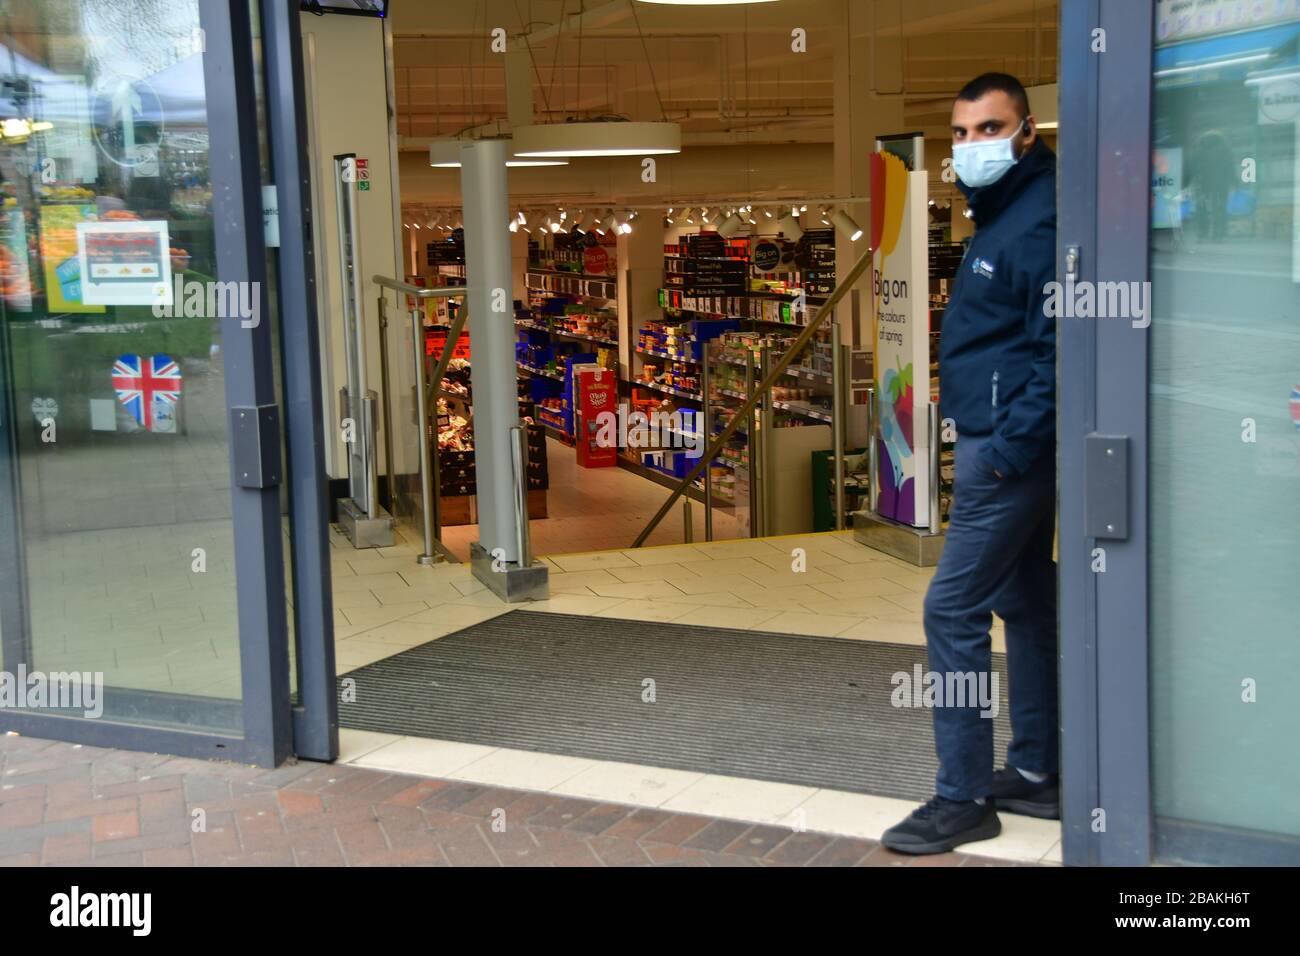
x: 418, y: 291
x: 764, y: 387
x: 429, y: 463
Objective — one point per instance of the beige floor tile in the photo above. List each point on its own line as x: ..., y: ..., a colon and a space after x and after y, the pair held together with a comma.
x: 909, y: 602
x: 424, y: 757
x: 358, y: 598
x: 571, y: 604
x: 788, y: 578
x: 454, y: 617
x: 668, y: 554
x: 741, y: 618
x: 851, y: 814
x: 725, y: 566
x: 855, y: 607
x: 522, y: 769
x: 1023, y: 838
x: 408, y: 595
x: 654, y: 572
x: 820, y: 625
x: 889, y: 632
x: 787, y: 599
x: 613, y: 782
x: 641, y: 610
x: 384, y: 614
x: 746, y: 548
x: 713, y: 583
x: 358, y: 743
x: 595, y: 560
x: 735, y: 798
x: 356, y: 652
x: 569, y: 582
x: 863, y: 588
x: 717, y: 599
x: 646, y: 590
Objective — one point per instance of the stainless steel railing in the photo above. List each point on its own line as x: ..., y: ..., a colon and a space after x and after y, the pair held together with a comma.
x: 762, y: 393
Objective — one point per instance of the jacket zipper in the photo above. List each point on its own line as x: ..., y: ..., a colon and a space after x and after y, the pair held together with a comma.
x: 995, y: 388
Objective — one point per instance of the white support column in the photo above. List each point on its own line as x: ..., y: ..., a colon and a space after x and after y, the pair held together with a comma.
x: 489, y: 282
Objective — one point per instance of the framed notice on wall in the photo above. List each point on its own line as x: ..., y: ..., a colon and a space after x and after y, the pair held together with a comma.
x: 125, y: 262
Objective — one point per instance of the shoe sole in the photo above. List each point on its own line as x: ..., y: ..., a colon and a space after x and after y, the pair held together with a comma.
x: 985, y: 831
x: 1028, y: 808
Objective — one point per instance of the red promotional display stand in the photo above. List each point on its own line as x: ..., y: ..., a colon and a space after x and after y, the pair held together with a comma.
x: 597, y: 393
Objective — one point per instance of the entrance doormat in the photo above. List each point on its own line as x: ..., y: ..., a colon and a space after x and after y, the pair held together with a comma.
x: 814, y: 711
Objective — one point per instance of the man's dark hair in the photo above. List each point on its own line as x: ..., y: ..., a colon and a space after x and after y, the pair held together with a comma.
x: 987, y: 83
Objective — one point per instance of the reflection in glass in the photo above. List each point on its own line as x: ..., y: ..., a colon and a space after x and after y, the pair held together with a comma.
x: 1225, y: 431
x: 125, y: 500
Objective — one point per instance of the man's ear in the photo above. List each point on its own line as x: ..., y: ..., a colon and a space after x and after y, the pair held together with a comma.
x: 1029, y: 129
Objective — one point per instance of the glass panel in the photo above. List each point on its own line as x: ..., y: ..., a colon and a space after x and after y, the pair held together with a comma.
x: 1224, y: 420
x: 115, y: 351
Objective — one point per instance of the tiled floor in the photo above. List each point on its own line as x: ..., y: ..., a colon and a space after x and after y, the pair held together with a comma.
x: 596, y: 509
x: 68, y: 805
x: 824, y: 584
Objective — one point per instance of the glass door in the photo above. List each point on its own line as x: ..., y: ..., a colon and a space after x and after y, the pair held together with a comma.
x: 141, y: 440
x: 1224, y: 411
x: 1179, y: 445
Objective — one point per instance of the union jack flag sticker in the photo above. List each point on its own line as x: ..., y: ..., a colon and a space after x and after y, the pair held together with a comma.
x: 143, y: 384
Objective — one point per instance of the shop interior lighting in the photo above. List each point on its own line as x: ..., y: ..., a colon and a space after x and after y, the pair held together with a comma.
x: 791, y: 228
x: 445, y: 154
x: 562, y: 140
x: 729, y: 226
x: 844, y: 222
x: 690, y: 215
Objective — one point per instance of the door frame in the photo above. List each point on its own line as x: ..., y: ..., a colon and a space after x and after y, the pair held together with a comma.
x: 229, y: 68
x: 1103, y: 384
x: 315, y: 715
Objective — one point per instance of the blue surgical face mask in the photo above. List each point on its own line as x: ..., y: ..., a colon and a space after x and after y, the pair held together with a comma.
x: 984, y: 162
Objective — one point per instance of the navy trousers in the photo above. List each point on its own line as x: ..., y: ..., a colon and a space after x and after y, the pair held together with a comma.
x: 997, y: 557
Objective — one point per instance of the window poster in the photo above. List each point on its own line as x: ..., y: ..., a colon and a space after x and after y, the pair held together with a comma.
x: 59, y: 254
x: 125, y: 262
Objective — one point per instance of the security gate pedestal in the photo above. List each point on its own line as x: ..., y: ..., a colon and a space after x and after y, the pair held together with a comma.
x: 362, y: 530
x: 918, y: 546
x: 366, y: 524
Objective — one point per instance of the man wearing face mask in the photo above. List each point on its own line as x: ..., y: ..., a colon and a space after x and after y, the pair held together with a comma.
x: 997, y: 376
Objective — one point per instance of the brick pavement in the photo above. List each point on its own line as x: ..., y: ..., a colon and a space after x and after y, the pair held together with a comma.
x: 70, y: 805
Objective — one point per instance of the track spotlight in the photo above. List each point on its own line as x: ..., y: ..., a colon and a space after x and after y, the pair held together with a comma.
x: 729, y: 226
x: 844, y: 222
x: 790, y: 227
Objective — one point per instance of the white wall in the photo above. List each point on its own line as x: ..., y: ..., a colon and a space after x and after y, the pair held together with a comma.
x: 347, y: 104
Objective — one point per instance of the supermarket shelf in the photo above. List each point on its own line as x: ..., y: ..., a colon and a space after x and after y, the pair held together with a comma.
x: 669, y: 355
x: 523, y: 324
x: 541, y: 371
x: 681, y: 392
x: 805, y: 410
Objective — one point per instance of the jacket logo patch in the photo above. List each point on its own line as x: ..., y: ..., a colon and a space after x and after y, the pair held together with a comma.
x: 982, y: 267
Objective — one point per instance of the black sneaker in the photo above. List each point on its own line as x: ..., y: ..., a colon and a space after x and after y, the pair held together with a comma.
x: 1015, y: 793
x: 940, y: 825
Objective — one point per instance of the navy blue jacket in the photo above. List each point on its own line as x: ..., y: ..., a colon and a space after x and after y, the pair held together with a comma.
x: 997, y: 346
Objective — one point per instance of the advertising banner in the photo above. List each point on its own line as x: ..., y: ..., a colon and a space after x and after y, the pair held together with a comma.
x: 59, y: 254
x: 901, y: 324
